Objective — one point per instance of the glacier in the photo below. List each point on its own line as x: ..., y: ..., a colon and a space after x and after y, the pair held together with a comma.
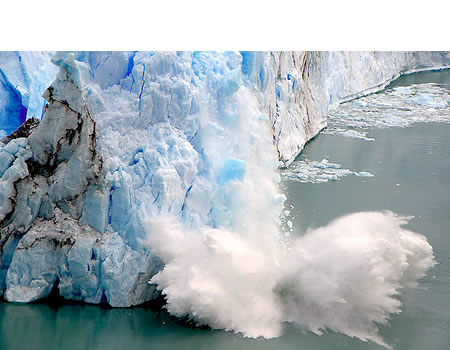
x: 193, y: 139
x: 24, y: 76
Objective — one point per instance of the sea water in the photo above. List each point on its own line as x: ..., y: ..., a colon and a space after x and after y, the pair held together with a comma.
x: 403, y: 169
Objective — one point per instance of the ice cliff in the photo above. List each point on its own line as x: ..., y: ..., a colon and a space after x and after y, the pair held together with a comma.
x: 24, y: 76
x: 309, y: 84
x: 130, y: 136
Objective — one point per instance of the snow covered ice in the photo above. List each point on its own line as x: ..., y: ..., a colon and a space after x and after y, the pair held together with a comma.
x: 163, y: 167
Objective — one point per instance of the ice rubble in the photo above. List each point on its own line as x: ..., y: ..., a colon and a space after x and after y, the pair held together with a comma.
x: 131, y: 136
x: 396, y: 107
x: 312, y: 171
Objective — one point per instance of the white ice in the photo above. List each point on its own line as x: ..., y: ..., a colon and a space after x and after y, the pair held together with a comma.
x: 307, y: 171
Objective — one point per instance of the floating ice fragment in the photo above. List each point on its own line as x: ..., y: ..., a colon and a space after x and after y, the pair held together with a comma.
x: 364, y: 174
x: 429, y: 100
x: 357, y: 135
x: 401, y: 90
x: 359, y: 103
x: 307, y: 171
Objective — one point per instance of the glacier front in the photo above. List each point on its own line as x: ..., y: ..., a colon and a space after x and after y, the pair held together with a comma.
x: 193, y: 139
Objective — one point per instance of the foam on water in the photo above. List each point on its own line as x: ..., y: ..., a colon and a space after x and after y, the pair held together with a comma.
x: 397, y: 107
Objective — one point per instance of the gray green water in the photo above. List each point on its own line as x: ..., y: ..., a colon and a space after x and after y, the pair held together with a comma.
x: 439, y: 77
x: 412, y: 177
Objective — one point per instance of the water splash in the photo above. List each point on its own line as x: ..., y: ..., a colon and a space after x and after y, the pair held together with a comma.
x: 344, y: 277
x: 233, y: 268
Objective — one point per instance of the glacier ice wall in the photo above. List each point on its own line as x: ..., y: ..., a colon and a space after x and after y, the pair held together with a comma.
x: 309, y: 84
x: 24, y: 76
x: 129, y: 136
x: 297, y: 89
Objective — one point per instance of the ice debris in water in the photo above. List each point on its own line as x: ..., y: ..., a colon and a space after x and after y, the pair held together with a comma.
x: 311, y: 171
x: 357, y: 135
x: 397, y: 107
